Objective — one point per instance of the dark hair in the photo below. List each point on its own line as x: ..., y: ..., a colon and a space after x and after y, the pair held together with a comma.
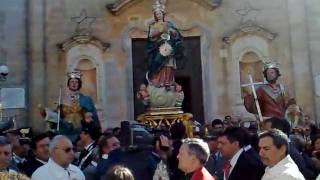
x: 199, y: 148
x: 119, y: 173
x: 216, y: 121
x: 276, y: 69
x: 178, y: 131
x: 281, y: 124
x: 236, y: 134
x: 314, y: 139
x: 279, y: 138
x: 115, y: 129
x: 79, y: 82
x: 4, y: 141
x: 36, y: 139
x: 93, y: 130
x: 103, y: 142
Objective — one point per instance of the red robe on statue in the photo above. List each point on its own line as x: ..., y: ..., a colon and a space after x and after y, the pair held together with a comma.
x: 273, y: 101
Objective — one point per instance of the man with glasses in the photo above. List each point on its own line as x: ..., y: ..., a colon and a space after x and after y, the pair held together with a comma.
x: 40, y: 149
x: 59, y: 166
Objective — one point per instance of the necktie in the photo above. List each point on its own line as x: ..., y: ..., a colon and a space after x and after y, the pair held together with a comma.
x: 226, y: 169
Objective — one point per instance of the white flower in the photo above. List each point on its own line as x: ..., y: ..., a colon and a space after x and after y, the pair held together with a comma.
x: 165, y: 49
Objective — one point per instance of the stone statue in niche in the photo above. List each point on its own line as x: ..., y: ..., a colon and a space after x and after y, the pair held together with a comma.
x: 165, y: 49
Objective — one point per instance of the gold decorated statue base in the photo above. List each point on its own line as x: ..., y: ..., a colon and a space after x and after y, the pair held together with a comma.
x: 166, y: 117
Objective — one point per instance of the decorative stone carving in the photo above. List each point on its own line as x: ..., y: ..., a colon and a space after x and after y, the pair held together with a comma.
x: 120, y: 5
x: 249, y: 28
x: 83, y: 39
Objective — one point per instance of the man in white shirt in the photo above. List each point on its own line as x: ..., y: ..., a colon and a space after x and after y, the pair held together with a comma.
x: 59, y: 166
x: 274, y: 154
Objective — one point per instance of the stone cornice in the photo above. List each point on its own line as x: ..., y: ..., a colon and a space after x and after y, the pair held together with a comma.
x: 82, y: 39
x: 249, y: 28
x: 120, y: 5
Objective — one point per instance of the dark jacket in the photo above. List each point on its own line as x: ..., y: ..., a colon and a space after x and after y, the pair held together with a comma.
x: 30, y: 166
x: 247, y: 168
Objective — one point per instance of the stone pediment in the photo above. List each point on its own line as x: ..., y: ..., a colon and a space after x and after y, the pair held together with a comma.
x: 82, y: 39
x: 249, y: 28
x: 120, y: 5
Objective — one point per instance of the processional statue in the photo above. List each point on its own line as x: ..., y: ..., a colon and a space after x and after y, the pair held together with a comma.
x: 74, y: 110
x: 163, y: 96
x: 269, y: 99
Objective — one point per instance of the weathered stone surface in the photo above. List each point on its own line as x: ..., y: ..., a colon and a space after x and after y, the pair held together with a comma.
x: 33, y: 28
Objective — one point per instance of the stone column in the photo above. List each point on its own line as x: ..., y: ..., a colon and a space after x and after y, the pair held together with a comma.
x: 37, y: 59
x: 301, y: 66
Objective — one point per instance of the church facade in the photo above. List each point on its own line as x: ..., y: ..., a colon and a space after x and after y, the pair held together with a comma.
x: 42, y: 40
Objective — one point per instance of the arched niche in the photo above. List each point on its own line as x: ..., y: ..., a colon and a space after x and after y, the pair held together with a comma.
x: 250, y: 63
x: 86, y: 54
x: 249, y: 41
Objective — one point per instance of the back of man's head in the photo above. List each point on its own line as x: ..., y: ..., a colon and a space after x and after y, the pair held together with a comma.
x: 199, y: 148
x: 178, y: 131
x: 4, y: 141
x: 92, y: 130
x: 281, y: 124
x: 217, y: 122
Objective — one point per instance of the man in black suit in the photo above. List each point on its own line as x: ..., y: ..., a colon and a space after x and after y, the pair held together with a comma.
x: 238, y: 165
x: 40, y: 149
x: 89, y: 134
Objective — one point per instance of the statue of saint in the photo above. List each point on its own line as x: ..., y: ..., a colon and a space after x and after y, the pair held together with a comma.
x: 76, y: 109
x: 165, y: 50
x: 273, y: 97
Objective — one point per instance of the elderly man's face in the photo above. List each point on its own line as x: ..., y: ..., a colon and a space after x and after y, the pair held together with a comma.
x: 5, y: 156
x: 63, y: 153
x: 269, y: 153
x: 185, y: 159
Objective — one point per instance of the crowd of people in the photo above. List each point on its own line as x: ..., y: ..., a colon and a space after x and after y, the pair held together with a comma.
x: 228, y: 150
x: 281, y: 145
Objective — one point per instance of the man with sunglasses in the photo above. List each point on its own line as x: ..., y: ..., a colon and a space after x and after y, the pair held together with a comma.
x: 59, y: 166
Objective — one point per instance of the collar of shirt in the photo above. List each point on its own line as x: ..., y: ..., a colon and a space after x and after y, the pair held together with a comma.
x: 57, y: 170
x: 17, y: 158
x: 279, y: 166
x: 105, y: 156
x: 88, y: 146
x: 43, y: 162
x: 234, y: 159
x: 93, y: 163
x: 247, y: 147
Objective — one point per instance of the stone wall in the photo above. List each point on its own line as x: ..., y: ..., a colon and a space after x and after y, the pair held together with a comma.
x: 50, y: 24
x: 13, y: 42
